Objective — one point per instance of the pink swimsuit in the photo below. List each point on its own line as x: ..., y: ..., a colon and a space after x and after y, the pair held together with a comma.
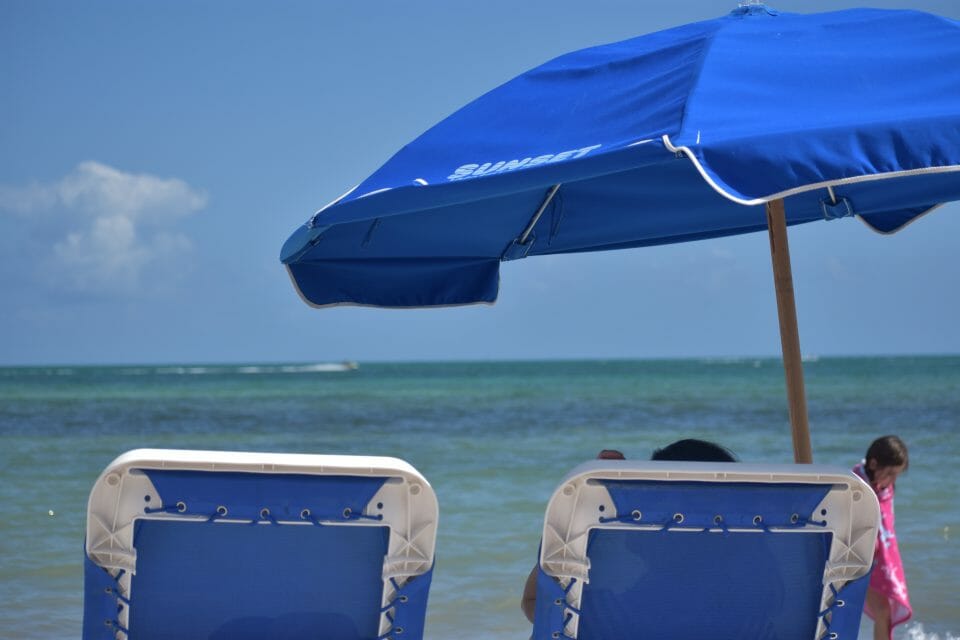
x: 888, y: 578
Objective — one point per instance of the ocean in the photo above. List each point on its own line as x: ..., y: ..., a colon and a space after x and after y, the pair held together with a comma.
x: 493, y: 438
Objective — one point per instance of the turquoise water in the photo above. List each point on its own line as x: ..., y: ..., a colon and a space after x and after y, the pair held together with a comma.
x: 493, y: 439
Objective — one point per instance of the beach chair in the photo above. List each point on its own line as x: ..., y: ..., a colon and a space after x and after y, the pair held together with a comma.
x: 685, y: 550
x: 208, y: 544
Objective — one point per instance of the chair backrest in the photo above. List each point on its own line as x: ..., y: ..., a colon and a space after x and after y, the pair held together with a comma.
x: 705, y: 550
x: 212, y: 544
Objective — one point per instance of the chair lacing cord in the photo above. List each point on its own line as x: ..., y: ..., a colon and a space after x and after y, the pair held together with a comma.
x: 399, y: 600
x: 834, y: 604
x: 399, y: 597
x: 221, y: 512
x: 566, y: 620
x: 795, y: 521
x: 718, y: 523
x: 116, y: 594
x: 306, y: 515
x: 163, y: 509
x: 625, y: 518
x: 117, y: 627
x: 121, y: 601
x: 389, y: 632
x: 350, y: 514
x: 562, y: 633
x: 566, y: 604
x: 180, y: 508
x: 568, y: 612
x: 392, y: 632
x: 265, y: 516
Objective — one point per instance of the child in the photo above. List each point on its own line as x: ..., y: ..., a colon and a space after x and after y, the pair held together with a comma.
x: 887, y: 600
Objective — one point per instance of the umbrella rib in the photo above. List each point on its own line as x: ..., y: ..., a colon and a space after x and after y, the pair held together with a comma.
x: 780, y: 195
x: 536, y: 216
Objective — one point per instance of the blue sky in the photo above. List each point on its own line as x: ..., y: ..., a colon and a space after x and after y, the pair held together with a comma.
x: 155, y: 156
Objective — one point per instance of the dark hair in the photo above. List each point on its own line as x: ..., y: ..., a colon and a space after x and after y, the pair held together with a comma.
x: 888, y: 451
x: 693, y: 450
x: 610, y: 454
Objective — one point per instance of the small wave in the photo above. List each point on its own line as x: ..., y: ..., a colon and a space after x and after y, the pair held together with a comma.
x: 20, y: 372
x: 319, y: 367
x: 915, y: 632
x: 243, y: 370
x: 186, y: 371
x: 756, y: 363
x: 724, y: 360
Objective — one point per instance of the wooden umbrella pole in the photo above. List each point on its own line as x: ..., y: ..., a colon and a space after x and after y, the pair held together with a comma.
x: 789, y: 334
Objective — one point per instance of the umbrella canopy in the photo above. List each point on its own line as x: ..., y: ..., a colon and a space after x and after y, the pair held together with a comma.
x: 669, y: 137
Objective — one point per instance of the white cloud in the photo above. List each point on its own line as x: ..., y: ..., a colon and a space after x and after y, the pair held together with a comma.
x: 104, y: 229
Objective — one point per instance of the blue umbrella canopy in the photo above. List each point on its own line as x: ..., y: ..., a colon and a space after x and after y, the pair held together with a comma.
x: 669, y: 137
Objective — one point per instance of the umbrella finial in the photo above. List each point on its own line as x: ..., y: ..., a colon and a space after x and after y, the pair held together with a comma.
x: 753, y: 7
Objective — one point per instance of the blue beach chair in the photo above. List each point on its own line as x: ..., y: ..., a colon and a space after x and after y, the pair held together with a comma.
x: 204, y: 544
x: 684, y: 550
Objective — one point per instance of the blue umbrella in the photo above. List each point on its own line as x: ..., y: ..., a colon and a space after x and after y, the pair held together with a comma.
x: 669, y: 137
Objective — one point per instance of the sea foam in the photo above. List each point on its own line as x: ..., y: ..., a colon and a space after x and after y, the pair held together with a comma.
x: 915, y: 632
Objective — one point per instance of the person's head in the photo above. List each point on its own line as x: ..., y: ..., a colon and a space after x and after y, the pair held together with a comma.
x: 693, y: 450
x: 610, y: 454
x: 886, y: 459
